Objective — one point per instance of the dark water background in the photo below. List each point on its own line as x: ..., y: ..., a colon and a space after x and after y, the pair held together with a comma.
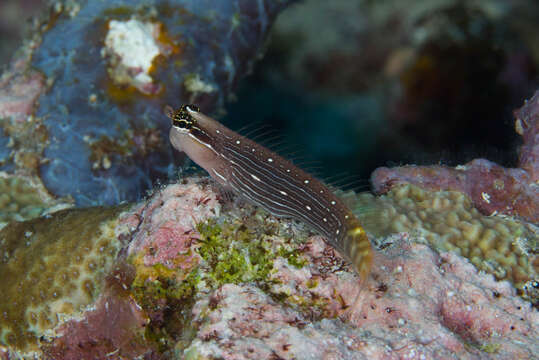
x: 396, y: 83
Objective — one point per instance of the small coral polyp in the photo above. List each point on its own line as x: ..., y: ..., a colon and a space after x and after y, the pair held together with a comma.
x: 52, y: 268
x: 448, y: 221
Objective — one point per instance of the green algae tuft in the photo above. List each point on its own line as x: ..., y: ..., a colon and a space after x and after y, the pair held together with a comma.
x: 233, y: 254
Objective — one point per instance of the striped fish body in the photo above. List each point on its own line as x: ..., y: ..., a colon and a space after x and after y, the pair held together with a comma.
x: 270, y: 181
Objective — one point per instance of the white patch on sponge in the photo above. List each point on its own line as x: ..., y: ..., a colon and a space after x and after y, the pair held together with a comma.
x: 133, y: 46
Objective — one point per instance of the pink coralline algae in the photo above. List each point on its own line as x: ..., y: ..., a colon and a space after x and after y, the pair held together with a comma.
x: 114, y: 330
x: 492, y: 188
x: 167, y: 224
x: 18, y: 93
x: 416, y: 305
x: 527, y: 125
x: 20, y: 87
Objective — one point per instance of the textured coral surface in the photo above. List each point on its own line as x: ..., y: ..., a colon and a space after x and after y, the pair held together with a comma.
x: 502, y: 246
x: 19, y: 90
x: 492, y: 188
x: 52, y: 267
x: 112, y: 329
x: 201, y: 278
x: 166, y: 222
x: 416, y: 304
x: 103, y: 130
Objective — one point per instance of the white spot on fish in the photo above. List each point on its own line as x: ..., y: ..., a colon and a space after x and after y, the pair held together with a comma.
x: 306, y: 181
x: 346, y: 216
x: 253, y: 150
x: 308, y: 207
x: 325, y: 219
x: 255, y: 177
x: 337, y: 232
x: 270, y: 159
x: 287, y: 170
x: 238, y: 142
x: 217, y: 131
x: 282, y: 192
x: 333, y: 202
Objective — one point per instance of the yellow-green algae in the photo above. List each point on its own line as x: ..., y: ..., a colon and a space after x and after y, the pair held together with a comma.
x: 231, y: 250
x: 232, y: 253
x: 51, y: 268
x: 490, y: 348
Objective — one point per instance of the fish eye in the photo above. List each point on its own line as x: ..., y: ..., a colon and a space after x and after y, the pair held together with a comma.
x: 182, y: 124
x: 182, y: 120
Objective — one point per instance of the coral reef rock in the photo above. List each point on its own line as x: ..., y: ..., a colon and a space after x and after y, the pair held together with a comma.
x: 188, y: 275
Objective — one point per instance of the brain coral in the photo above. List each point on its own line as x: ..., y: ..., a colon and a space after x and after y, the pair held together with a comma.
x: 51, y: 269
x: 448, y: 221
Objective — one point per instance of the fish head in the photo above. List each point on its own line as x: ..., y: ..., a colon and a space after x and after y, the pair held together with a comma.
x: 197, y: 135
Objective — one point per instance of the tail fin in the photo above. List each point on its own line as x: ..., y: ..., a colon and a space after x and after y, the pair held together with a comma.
x: 359, y: 251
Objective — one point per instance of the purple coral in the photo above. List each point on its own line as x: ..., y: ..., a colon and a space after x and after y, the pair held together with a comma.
x: 492, y: 188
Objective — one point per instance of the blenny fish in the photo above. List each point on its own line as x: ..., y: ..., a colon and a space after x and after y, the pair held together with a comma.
x: 270, y: 181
